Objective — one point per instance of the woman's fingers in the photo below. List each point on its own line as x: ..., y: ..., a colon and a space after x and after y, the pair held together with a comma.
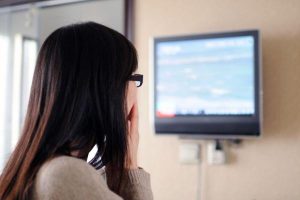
x: 134, y: 119
x: 133, y: 138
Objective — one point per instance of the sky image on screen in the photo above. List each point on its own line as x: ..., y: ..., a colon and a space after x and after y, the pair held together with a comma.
x: 205, y: 77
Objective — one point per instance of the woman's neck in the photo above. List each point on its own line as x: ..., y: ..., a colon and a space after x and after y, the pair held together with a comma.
x: 79, y: 154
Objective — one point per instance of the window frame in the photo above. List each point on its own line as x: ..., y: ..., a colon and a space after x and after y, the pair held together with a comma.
x: 128, y: 8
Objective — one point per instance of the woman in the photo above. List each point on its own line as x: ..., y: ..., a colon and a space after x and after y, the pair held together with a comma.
x: 83, y: 94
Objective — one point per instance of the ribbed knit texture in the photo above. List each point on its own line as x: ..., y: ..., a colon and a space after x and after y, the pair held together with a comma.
x: 137, y: 176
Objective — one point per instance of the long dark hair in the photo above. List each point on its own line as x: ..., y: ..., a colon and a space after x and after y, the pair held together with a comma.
x: 77, y: 100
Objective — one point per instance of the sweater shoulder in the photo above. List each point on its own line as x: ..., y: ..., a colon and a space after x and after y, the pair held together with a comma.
x: 66, y: 177
x: 66, y: 168
x: 65, y: 165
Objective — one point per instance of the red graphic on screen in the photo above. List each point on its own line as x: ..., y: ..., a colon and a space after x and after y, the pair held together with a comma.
x: 164, y: 115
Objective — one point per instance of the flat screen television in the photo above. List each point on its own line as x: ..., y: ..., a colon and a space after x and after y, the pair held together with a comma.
x: 208, y: 84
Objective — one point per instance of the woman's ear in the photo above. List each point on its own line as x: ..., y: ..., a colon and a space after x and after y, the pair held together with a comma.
x: 131, y: 96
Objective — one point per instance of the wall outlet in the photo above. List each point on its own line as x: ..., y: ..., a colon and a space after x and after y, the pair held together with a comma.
x: 215, y: 153
x: 189, y: 153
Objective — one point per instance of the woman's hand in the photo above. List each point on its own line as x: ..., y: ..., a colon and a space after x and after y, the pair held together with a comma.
x: 132, y: 138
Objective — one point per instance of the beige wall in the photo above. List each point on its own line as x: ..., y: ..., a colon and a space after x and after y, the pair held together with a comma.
x: 263, y: 169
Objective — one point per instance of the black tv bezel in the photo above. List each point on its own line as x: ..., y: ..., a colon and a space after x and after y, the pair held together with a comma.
x: 214, y: 126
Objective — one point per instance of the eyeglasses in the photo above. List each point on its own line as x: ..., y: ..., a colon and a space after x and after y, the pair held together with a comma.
x: 138, y: 78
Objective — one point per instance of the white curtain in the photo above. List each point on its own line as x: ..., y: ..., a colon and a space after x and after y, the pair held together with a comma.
x: 5, y: 87
x: 18, y: 52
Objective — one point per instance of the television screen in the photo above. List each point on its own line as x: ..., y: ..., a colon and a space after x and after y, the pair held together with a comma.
x: 205, y: 81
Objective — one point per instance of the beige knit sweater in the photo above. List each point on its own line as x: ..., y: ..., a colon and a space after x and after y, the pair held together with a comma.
x: 69, y: 178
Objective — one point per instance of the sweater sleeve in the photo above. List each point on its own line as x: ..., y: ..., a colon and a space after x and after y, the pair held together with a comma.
x: 135, y: 185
